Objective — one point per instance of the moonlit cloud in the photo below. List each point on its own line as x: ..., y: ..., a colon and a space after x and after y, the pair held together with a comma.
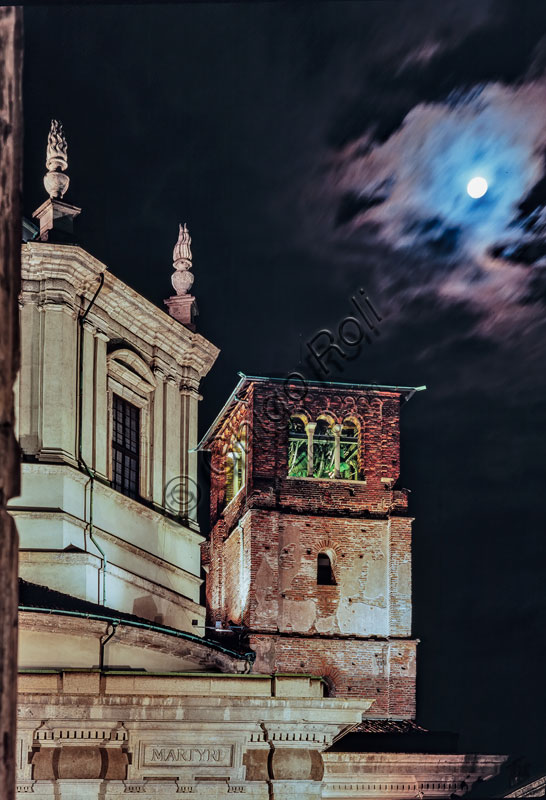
x: 411, y: 192
x: 416, y: 181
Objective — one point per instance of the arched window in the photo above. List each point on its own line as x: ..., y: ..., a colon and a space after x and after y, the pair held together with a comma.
x: 235, y: 470
x: 325, y: 573
x: 324, y: 449
x: 230, y: 476
x: 297, y: 448
x: 349, y: 447
x: 239, y: 448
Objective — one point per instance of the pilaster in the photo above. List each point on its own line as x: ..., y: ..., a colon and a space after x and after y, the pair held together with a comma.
x: 29, y: 379
x: 159, y: 438
x: 59, y: 384
x: 100, y: 424
x: 87, y: 389
x: 173, y: 487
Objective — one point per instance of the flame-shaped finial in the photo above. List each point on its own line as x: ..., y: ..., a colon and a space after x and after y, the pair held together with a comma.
x: 182, y: 279
x: 55, y: 181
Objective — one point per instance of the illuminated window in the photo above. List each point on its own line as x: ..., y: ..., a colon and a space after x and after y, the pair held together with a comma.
x: 236, y: 465
x: 239, y: 448
x: 125, y: 447
x: 325, y: 573
x: 230, y: 482
x: 324, y: 450
x: 348, y: 451
x: 298, y: 457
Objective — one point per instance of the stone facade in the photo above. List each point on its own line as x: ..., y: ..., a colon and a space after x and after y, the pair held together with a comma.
x: 87, y: 735
x: 11, y: 62
x: 77, y: 533
x: 91, y: 736
x: 400, y: 775
x: 264, y: 545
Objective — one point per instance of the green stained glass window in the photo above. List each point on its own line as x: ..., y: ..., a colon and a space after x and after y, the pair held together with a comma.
x: 323, y: 450
x: 348, y: 445
x: 297, y: 448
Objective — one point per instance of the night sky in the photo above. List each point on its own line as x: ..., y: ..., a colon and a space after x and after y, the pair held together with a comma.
x: 314, y: 149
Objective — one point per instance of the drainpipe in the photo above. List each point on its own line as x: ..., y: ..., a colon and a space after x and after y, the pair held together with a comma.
x: 270, y: 774
x: 81, y: 461
x: 104, y: 642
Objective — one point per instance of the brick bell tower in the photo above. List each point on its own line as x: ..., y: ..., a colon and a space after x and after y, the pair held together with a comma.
x: 310, y: 545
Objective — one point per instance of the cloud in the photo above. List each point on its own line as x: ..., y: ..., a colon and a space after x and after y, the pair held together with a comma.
x: 408, y: 194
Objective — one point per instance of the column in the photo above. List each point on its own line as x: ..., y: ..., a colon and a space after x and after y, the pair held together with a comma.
x: 310, y: 430
x: 337, y: 450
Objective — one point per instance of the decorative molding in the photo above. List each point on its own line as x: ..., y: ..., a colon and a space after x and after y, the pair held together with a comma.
x: 50, y: 270
x: 25, y: 787
x: 130, y: 368
x: 46, y: 735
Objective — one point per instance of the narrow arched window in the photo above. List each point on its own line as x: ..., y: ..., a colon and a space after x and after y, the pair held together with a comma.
x: 325, y: 573
x: 236, y: 464
x: 324, y: 448
x: 348, y: 451
x: 297, y: 448
x: 230, y: 472
x: 241, y: 453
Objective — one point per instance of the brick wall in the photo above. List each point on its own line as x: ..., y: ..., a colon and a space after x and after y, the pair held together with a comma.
x: 382, y: 671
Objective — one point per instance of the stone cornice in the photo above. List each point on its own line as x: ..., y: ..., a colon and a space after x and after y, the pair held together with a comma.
x: 204, y: 656
x: 59, y: 275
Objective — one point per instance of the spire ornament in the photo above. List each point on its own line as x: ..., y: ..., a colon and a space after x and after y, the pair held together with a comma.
x: 56, y: 217
x: 55, y: 181
x: 182, y: 280
x: 182, y: 305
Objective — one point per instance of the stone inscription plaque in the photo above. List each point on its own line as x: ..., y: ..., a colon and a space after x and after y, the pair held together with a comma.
x: 168, y: 755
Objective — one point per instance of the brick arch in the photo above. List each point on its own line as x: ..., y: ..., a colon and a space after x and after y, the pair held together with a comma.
x: 327, y: 415
x: 324, y: 545
x: 301, y: 413
x: 356, y: 419
x: 331, y: 676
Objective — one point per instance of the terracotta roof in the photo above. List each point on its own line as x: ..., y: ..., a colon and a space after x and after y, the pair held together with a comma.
x: 389, y: 726
x: 394, y: 736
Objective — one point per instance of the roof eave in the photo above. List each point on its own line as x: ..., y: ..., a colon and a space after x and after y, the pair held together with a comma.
x: 406, y: 391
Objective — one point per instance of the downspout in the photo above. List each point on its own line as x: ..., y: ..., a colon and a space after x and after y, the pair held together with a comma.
x: 104, y: 642
x: 81, y: 460
x: 270, y: 773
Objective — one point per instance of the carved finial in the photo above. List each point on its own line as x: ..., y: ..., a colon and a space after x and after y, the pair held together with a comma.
x: 55, y: 181
x: 182, y: 305
x: 182, y: 279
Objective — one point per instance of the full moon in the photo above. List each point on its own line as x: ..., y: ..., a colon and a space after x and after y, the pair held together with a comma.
x: 477, y: 187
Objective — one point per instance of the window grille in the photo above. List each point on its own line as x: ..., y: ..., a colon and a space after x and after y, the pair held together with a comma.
x: 125, y: 447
